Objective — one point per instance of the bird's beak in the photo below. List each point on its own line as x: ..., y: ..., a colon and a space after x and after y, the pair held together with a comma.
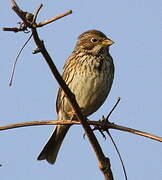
x: 107, y: 42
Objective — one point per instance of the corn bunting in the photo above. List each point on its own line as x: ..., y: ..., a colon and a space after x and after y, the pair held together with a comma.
x: 89, y: 73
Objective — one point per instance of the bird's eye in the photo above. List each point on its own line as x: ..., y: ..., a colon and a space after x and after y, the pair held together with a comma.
x: 94, y: 40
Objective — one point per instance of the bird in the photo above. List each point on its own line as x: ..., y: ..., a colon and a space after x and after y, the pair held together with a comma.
x: 89, y: 73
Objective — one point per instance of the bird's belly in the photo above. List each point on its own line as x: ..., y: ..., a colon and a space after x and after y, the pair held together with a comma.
x: 91, y: 90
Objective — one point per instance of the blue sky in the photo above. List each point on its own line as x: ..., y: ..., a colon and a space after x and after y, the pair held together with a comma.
x: 135, y: 27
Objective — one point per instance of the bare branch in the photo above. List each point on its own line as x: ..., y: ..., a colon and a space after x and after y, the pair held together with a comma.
x: 54, y: 18
x: 27, y: 24
x: 104, y: 125
x: 134, y: 131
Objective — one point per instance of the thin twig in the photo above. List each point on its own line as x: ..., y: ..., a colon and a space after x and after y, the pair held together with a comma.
x: 54, y: 18
x: 118, y: 100
x: 134, y: 131
x: 120, y: 157
x: 36, y: 13
x: 17, y: 57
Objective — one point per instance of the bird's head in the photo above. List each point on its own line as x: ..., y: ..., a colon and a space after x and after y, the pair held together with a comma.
x: 93, y: 41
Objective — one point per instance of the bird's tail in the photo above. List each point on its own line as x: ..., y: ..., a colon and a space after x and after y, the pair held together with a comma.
x: 53, y: 145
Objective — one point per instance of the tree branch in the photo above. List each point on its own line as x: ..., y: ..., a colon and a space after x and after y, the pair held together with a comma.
x: 102, y: 125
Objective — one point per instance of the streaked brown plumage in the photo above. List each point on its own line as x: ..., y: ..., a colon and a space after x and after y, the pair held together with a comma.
x: 89, y: 73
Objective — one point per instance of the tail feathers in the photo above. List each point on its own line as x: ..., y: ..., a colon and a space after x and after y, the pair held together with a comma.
x: 53, y: 145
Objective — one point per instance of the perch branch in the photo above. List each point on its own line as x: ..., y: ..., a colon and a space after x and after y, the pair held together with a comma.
x: 104, y: 125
